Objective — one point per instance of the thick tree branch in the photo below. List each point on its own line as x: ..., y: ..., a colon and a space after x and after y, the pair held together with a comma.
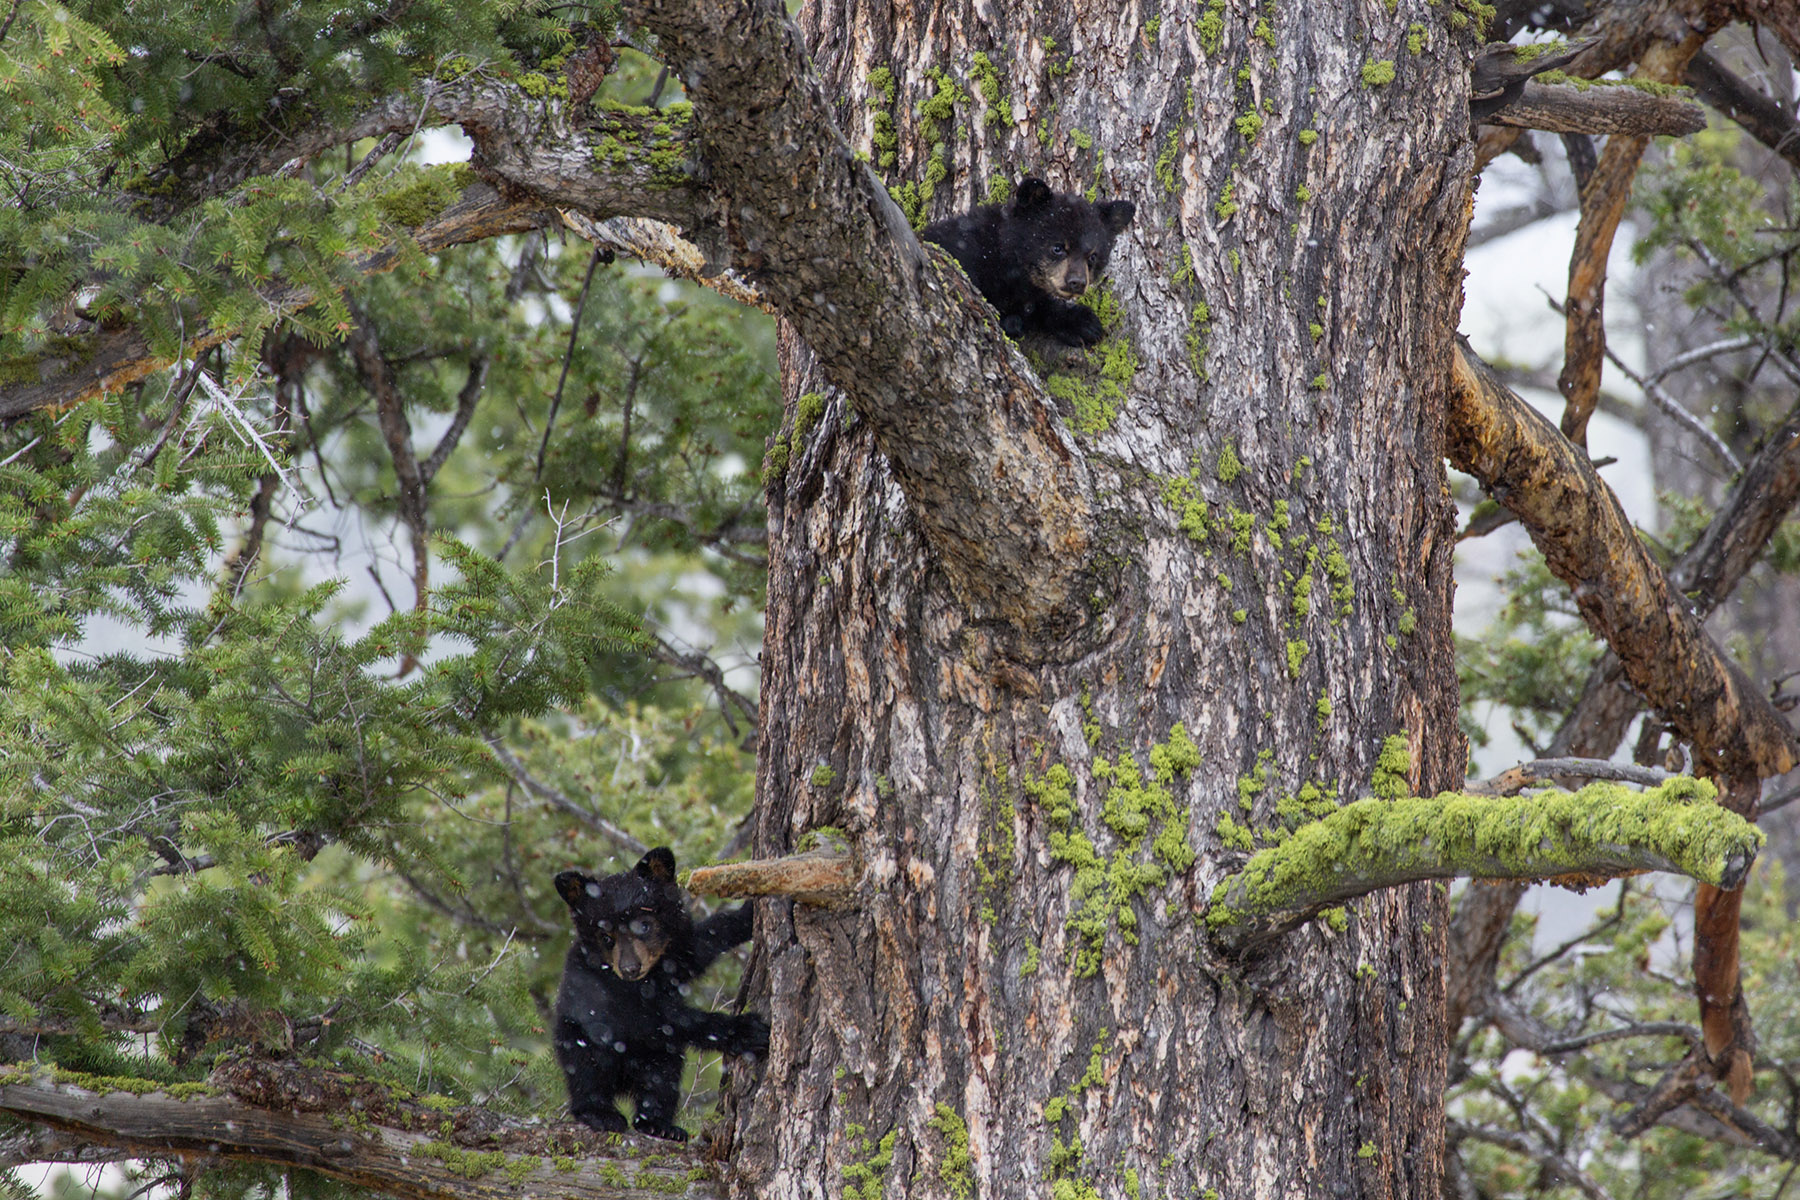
x: 1600, y: 832
x: 1563, y: 108
x: 1577, y: 523
x: 993, y: 477
x: 281, y: 1113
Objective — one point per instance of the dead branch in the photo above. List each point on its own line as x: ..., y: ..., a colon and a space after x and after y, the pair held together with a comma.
x: 1566, y: 108
x: 825, y: 877
x: 1576, y: 521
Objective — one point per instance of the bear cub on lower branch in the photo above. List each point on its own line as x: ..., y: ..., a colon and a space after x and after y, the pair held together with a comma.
x: 623, y: 1023
x: 1032, y: 255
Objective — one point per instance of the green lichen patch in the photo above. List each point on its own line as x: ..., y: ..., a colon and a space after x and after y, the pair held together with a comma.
x: 423, y: 193
x: 1604, y: 828
x: 992, y: 91
x: 1229, y: 467
x: 1211, y: 26
x: 954, y: 1160
x: 1098, y: 390
x: 823, y: 776
x: 1182, y: 493
x: 1165, y: 162
x: 1391, y: 778
x: 1378, y: 73
x: 869, y: 1163
x: 1137, y: 808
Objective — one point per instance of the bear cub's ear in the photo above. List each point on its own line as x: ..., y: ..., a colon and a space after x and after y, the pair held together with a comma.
x: 658, y: 864
x: 573, y: 886
x: 1033, y: 193
x: 1116, y: 215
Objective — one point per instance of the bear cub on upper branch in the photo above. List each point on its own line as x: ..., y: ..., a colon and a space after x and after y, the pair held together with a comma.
x: 1034, y: 254
x: 622, y: 1021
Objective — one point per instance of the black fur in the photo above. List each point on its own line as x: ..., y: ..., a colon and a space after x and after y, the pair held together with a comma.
x: 622, y: 1023
x: 1035, y: 253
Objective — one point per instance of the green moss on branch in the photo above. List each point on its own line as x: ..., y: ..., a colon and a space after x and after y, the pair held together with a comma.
x: 1602, y: 830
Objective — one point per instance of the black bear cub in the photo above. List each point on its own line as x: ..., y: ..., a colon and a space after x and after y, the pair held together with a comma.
x: 623, y: 1024
x: 1034, y: 254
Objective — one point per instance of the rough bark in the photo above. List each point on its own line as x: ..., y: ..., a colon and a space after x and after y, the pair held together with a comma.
x: 984, y: 976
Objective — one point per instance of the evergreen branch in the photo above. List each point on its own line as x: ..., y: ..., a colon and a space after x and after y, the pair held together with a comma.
x: 544, y: 791
x: 1602, y: 831
x: 1555, y: 1166
x: 92, y: 364
x: 281, y: 1113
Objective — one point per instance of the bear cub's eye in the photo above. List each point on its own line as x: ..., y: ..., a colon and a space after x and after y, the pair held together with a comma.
x: 640, y: 928
x: 1059, y: 250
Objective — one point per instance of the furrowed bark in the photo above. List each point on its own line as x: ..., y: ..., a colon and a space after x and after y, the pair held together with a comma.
x: 991, y: 966
x: 993, y: 476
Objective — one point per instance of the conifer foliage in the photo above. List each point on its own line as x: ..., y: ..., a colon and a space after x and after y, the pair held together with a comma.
x: 323, y: 647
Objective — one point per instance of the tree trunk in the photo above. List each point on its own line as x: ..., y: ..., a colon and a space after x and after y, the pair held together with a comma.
x: 1021, y: 991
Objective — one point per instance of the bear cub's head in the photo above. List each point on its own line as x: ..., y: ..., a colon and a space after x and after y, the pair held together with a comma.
x: 628, y: 920
x: 1064, y: 240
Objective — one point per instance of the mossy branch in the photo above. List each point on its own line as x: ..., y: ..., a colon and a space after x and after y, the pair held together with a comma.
x: 360, y: 1131
x: 1602, y: 831
x: 825, y: 877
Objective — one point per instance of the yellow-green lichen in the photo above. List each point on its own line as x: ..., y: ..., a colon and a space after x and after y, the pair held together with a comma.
x: 1165, y: 168
x: 864, y: 1173
x: 1604, y: 826
x: 470, y: 1164
x: 1182, y: 493
x: 1104, y: 890
x: 955, y: 1161
x: 1393, y: 768
x: 823, y: 776
x: 987, y: 82
x: 1232, y: 833
x: 422, y: 196
x: 1296, y: 654
x: 1416, y: 37
x: 1225, y: 206
x: 1249, y: 126
x: 1211, y: 26
x: 1228, y: 466
x: 1378, y: 73
x: 1308, y: 136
